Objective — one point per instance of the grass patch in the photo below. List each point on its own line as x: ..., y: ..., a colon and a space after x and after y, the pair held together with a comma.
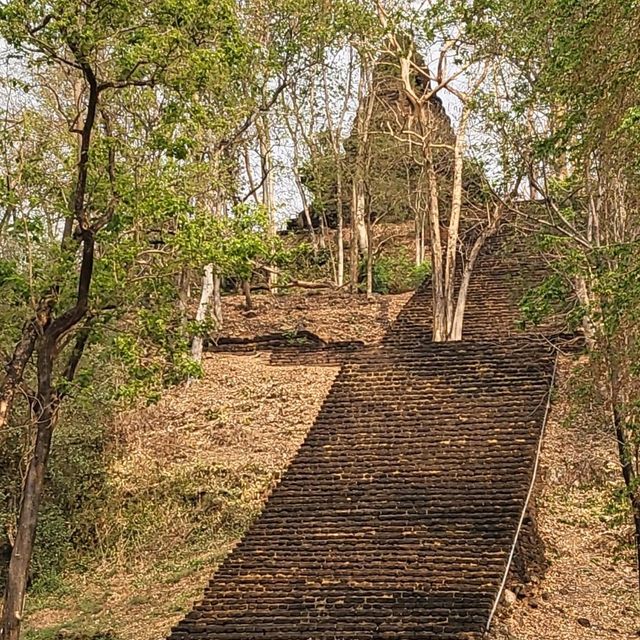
x: 70, y: 632
x: 174, y: 531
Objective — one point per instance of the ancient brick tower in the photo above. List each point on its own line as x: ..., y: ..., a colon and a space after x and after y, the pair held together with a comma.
x: 399, y: 515
x: 393, y: 171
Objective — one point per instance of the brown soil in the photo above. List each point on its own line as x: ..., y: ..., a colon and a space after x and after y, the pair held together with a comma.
x: 590, y: 588
x: 332, y: 316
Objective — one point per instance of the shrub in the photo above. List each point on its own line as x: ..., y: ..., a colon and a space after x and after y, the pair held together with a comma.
x: 397, y: 272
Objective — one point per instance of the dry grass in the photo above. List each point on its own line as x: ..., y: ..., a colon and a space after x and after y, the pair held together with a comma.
x: 190, y: 473
x: 591, y: 579
x: 330, y: 315
x: 220, y: 444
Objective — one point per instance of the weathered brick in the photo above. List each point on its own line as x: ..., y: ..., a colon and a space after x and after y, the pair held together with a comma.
x: 397, y: 515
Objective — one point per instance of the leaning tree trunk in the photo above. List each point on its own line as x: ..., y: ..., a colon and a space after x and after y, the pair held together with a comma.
x: 201, y: 314
x: 47, y: 400
x: 32, y: 492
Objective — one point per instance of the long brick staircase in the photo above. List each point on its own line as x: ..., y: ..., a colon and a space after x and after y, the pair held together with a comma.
x: 399, y: 515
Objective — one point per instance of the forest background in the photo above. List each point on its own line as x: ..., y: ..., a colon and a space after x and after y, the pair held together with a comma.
x: 148, y: 153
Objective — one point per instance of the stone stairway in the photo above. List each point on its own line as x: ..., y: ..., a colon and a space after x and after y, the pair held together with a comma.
x: 398, y: 516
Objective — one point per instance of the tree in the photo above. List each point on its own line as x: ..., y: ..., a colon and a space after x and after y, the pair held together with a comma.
x: 566, y: 113
x: 422, y: 128
x: 132, y: 50
x: 127, y: 180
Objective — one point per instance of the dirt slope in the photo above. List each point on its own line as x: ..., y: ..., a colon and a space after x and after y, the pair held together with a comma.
x: 198, y: 465
x: 590, y: 588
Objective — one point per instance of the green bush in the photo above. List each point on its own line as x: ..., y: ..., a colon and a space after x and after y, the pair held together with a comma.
x: 397, y: 272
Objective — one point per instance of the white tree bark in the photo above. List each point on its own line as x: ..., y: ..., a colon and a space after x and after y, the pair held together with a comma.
x: 419, y: 238
x: 359, y: 213
x: 201, y: 313
x: 360, y: 216
x: 454, y: 221
x: 340, y: 227
x: 437, y: 267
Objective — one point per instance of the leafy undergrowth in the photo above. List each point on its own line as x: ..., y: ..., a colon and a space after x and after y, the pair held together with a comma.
x: 590, y: 588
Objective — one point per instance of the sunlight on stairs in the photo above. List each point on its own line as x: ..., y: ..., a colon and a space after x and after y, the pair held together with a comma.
x: 398, y: 516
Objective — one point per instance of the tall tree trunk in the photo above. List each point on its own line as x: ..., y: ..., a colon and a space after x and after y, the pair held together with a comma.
x: 335, y: 130
x: 366, y: 101
x: 489, y: 231
x: 47, y: 398
x: 369, y: 257
x: 46, y: 401
x: 266, y: 159
x: 457, y: 320
x: 353, y: 245
x: 32, y: 492
x: 628, y: 471
x: 437, y: 272
x: 205, y: 298
x: 306, y: 212
x: 588, y: 325
x: 418, y: 238
x: 454, y: 221
x: 322, y: 241
x: 423, y: 239
x: 340, y: 224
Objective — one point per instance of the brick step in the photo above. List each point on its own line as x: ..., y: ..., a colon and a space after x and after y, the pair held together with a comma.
x: 396, y: 517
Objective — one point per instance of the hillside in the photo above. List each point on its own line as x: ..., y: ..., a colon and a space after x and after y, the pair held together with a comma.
x: 223, y: 415
x: 191, y: 472
x: 590, y: 587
